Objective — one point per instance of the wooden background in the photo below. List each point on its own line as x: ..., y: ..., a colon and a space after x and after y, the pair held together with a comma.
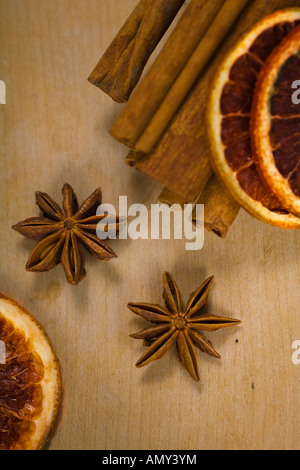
x: 54, y: 129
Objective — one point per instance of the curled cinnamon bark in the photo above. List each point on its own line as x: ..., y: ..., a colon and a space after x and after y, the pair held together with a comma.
x: 120, y: 68
x: 220, y: 210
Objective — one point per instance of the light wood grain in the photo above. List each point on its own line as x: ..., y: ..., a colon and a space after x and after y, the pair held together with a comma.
x: 54, y: 128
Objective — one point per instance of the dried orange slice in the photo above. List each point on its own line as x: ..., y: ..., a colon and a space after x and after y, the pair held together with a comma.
x: 229, y: 111
x: 29, y: 380
x: 275, y: 123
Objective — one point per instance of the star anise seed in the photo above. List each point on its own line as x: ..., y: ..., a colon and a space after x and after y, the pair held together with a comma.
x: 174, y: 324
x: 62, y: 232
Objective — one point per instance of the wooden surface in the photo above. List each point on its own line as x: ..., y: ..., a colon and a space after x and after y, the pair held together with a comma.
x: 54, y: 129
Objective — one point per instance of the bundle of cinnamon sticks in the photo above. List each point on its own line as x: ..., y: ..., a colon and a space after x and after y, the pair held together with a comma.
x: 163, y: 122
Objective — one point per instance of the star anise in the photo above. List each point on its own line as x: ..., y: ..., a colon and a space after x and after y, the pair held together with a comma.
x: 175, y: 324
x: 61, y: 232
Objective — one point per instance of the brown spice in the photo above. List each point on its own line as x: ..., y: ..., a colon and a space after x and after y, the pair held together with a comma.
x: 120, y: 68
x: 60, y: 232
x: 150, y: 93
x: 175, y: 324
x: 170, y: 198
x: 220, y: 210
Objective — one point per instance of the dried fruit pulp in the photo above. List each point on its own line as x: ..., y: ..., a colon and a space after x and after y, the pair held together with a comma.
x: 275, y: 125
x: 229, y: 113
x: 29, y: 381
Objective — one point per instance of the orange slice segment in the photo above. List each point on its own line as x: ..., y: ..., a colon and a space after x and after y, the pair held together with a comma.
x: 275, y: 124
x: 29, y: 380
x: 229, y: 113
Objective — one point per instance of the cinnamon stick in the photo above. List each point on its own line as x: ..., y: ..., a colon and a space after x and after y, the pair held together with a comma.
x: 120, y: 68
x: 220, y: 209
x: 168, y: 197
x: 181, y: 160
x: 190, y: 29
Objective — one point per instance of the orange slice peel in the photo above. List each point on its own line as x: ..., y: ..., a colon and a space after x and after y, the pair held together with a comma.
x: 275, y: 123
x: 229, y: 113
x: 30, y: 383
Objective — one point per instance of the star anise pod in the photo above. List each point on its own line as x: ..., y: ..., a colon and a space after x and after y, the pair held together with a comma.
x: 175, y: 324
x: 62, y: 231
